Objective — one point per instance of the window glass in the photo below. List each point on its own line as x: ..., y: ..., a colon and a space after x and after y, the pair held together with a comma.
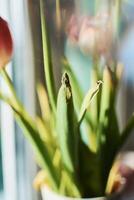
x: 1, y: 175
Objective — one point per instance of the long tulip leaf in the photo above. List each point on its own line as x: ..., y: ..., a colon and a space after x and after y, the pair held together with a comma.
x: 76, y: 89
x: 77, y: 93
x: 31, y: 133
x: 66, y: 126
x: 108, y: 124
x: 67, y: 129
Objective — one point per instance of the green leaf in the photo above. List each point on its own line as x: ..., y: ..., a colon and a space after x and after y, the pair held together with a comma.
x: 88, y: 99
x: 44, y: 131
x: 77, y: 92
x: 72, y: 189
x: 89, y: 171
x: 107, y: 106
x: 47, y: 59
x: 66, y: 124
x: 95, y: 108
x: 31, y: 133
x: 67, y: 129
x: 40, y: 149
x: 44, y: 103
x: 108, y: 131
x: 76, y: 88
x: 77, y: 99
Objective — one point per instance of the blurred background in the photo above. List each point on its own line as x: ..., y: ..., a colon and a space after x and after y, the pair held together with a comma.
x: 17, y: 164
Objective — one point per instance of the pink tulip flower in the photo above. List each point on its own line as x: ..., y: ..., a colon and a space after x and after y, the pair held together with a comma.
x: 93, y: 34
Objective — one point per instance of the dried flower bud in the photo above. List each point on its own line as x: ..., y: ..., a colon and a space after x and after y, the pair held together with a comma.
x: 6, y: 43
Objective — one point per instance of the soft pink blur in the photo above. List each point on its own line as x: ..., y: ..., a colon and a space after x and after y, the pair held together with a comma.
x: 124, y: 185
x: 93, y: 34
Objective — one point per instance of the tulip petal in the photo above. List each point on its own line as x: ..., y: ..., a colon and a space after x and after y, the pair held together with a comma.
x: 6, y: 43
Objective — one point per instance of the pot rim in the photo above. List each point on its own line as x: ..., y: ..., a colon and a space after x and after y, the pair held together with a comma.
x: 48, y: 189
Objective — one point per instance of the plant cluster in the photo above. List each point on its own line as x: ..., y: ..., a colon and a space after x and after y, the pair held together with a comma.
x: 72, y: 165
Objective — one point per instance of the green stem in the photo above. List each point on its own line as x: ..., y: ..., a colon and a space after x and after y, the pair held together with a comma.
x: 58, y: 14
x: 47, y: 60
x: 10, y: 86
x: 8, y: 81
x: 117, y: 13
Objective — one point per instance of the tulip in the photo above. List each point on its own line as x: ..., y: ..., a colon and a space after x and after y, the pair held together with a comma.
x: 6, y: 43
x: 93, y: 34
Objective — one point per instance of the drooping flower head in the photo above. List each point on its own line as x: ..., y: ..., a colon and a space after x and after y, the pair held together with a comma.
x: 6, y: 43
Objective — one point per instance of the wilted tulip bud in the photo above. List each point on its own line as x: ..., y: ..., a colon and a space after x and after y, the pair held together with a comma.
x: 121, y: 179
x: 6, y: 43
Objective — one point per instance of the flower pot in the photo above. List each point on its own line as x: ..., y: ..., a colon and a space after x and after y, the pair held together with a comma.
x: 47, y: 194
